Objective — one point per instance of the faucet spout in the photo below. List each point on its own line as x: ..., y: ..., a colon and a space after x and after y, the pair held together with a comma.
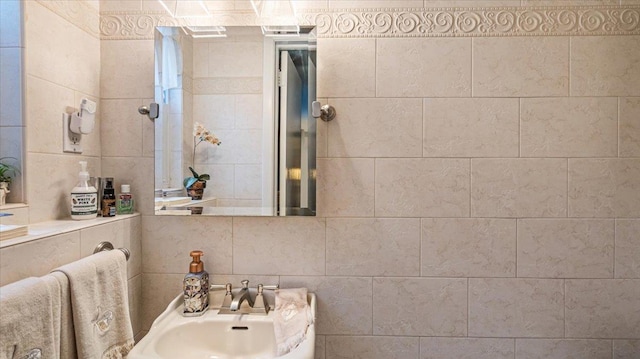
x: 241, y: 297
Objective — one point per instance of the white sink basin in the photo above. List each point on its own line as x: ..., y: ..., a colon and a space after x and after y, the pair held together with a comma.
x: 217, y: 336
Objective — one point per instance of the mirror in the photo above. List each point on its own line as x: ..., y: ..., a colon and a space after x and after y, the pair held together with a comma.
x: 235, y: 122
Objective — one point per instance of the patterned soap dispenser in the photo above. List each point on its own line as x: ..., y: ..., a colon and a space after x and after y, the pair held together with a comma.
x: 196, y: 287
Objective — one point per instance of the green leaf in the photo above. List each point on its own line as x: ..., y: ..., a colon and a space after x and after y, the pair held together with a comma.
x: 204, y: 177
x: 195, y: 174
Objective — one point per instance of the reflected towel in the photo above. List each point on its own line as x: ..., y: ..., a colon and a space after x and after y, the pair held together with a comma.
x: 292, y: 318
x: 100, y: 305
x: 27, y: 327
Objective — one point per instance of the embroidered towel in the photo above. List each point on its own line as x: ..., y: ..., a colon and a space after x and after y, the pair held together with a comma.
x: 292, y: 318
x: 27, y: 326
x: 100, y: 305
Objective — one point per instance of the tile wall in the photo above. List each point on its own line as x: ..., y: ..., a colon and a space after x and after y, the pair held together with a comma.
x: 479, y: 197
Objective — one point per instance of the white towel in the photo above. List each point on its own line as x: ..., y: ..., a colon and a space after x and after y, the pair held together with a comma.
x: 26, y: 324
x: 100, y: 305
x: 292, y: 318
x: 62, y: 317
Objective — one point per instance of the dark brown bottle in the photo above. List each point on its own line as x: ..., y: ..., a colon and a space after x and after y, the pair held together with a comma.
x: 109, y: 200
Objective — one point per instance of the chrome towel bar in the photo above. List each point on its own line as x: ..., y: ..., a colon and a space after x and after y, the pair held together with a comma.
x: 107, y: 246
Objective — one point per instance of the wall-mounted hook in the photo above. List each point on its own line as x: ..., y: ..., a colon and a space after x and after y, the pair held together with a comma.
x: 152, y: 111
x: 326, y: 112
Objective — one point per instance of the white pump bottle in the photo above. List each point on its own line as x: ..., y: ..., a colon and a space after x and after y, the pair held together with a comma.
x: 84, y: 197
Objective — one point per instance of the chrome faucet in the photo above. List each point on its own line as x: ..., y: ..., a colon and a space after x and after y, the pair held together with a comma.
x: 241, y: 302
x: 241, y: 297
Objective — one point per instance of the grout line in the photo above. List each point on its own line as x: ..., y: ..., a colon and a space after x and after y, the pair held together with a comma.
x: 516, y: 272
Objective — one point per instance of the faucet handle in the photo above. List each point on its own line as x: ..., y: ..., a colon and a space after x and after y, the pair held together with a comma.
x: 271, y: 287
x: 226, y: 287
x: 245, y: 284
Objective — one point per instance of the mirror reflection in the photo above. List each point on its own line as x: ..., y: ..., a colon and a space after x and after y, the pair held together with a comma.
x: 235, y: 135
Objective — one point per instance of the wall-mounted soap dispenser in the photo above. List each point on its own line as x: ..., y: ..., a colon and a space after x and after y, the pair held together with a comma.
x: 196, y: 287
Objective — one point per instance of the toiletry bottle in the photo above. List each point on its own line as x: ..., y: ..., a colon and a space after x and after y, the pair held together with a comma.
x: 109, y: 199
x: 196, y: 287
x: 125, y: 200
x: 84, y: 197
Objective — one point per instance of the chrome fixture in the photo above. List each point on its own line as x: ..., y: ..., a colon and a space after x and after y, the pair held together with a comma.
x: 241, y: 302
x: 107, y: 246
x: 326, y: 112
x: 241, y: 297
x: 152, y: 111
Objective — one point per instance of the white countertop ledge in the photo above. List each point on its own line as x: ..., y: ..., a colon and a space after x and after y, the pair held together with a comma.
x: 51, y: 228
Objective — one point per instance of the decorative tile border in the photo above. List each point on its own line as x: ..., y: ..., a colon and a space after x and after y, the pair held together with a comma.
x: 427, y: 22
x: 79, y: 13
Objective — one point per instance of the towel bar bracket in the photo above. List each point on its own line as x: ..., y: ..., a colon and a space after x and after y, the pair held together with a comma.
x: 107, y: 246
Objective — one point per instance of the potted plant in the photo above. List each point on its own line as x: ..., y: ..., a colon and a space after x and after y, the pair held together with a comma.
x: 196, y: 184
x: 7, y: 172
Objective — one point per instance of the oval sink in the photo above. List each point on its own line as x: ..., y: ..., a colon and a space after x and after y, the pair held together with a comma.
x: 217, y: 336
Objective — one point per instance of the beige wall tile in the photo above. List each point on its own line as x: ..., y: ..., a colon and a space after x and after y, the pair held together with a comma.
x: 337, y: 315
x: 470, y: 3
x: 626, y: 349
x: 605, y: 66
x: 167, y: 242
x: 376, y: 128
x: 629, y: 133
x: 420, y: 306
x: 422, y: 187
x: 513, y: 307
x: 423, y: 67
x: 50, y: 195
x: 565, y: 248
x: 346, y: 68
x: 377, y: 4
x: 604, y: 187
x: 286, y: 246
x: 135, y: 303
x: 120, y: 5
x: 110, y: 232
x: 47, y: 102
x: 602, y: 308
x: 467, y: 247
x: 562, y: 349
x: 158, y: 290
x: 348, y: 347
x: 37, y: 258
x: 471, y: 127
x: 121, y: 169
x: 52, y: 51
x: 518, y: 187
x: 345, y: 187
x: 121, y: 127
x: 133, y: 242
x: 373, y: 247
x: 466, y: 348
x: 569, y: 127
x: 132, y: 81
x: 627, y: 248
x: 320, y: 349
x: 568, y: 2
x: 520, y: 66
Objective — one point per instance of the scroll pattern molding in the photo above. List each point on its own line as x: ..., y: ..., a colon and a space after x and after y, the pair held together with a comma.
x: 428, y: 22
x: 80, y: 13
